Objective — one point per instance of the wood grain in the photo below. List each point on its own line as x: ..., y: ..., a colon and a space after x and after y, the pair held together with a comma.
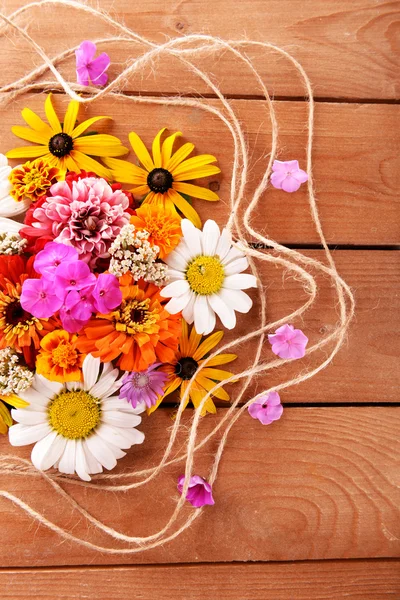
x: 320, y: 483
x: 319, y: 580
x: 356, y: 162
x: 349, y: 49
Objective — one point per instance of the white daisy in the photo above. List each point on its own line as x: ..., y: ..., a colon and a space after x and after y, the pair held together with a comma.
x: 206, y: 277
x: 8, y: 206
x: 77, y: 427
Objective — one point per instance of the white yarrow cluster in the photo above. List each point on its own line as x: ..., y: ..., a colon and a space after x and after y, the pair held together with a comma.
x: 131, y: 252
x: 14, y: 378
x: 11, y: 243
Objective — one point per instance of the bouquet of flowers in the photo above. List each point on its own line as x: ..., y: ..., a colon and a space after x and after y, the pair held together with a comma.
x: 110, y: 291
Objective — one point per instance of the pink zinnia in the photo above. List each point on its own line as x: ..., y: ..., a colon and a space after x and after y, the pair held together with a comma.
x: 267, y: 408
x: 199, y: 491
x: 86, y: 214
x: 287, y: 175
x: 288, y: 342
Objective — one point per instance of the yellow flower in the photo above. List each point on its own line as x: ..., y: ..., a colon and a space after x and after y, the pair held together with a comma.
x: 59, y: 359
x: 5, y: 417
x: 163, y: 177
x: 63, y: 145
x: 189, y: 357
x: 163, y: 226
x: 33, y: 179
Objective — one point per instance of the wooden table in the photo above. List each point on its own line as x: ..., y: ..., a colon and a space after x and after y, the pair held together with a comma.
x: 307, y: 507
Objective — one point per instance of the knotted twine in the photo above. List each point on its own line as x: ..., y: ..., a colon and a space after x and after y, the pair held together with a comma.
x: 183, y: 49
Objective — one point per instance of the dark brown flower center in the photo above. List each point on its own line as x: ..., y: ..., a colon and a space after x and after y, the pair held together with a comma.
x: 15, y: 314
x: 159, y: 181
x: 138, y: 315
x: 186, y: 367
x: 61, y: 144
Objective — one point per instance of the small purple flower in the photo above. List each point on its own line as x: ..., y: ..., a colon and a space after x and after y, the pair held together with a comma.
x: 288, y: 342
x: 52, y: 255
x: 287, y: 175
x: 199, y: 491
x: 80, y: 304
x: 69, y: 323
x: 72, y: 276
x: 143, y: 386
x: 37, y: 297
x: 89, y: 68
x: 267, y: 408
x: 106, y: 293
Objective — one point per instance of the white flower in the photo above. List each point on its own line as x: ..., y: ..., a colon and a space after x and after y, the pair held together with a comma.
x: 77, y: 427
x: 8, y: 206
x: 206, y: 277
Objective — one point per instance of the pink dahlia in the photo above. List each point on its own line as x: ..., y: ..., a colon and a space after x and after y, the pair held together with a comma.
x: 86, y: 214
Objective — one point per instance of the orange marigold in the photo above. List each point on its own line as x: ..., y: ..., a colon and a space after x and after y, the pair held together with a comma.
x: 164, y: 226
x: 33, y: 179
x: 140, y: 332
x: 18, y: 328
x: 59, y: 358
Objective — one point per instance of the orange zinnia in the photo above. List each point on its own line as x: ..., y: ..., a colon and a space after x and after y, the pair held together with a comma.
x: 140, y: 332
x: 18, y: 328
x: 59, y: 359
x: 164, y: 227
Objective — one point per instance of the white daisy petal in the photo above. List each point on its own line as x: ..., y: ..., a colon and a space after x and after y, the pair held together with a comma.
x: 33, y: 397
x: 48, y: 451
x: 211, y: 235
x: 101, y: 451
x: 46, y: 387
x: 236, y: 266
x: 192, y: 237
x: 177, y: 288
x: 140, y: 408
x: 202, y: 316
x: 174, y: 275
x: 176, y: 261
x: 104, y: 385
x: 212, y: 318
x: 28, y: 417
x: 67, y: 461
x: 114, y: 435
x: 225, y: 312
x: 120, y: 419
x: 188, y: 311
x: 241, y: 281
x: 11, y: 208
x: 90, y: 369
x: 177, y: 304
x: 9, y: 226
x: 22, y: 435
x: 72, y: 386
x: 237, y: 300
x: 92, y: 462
x: 81, y: 465
x: 224, y: 244
x: 183, y: 250
x: 233, y: 254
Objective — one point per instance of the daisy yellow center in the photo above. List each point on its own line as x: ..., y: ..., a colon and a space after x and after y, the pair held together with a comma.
x: 136, y: 317
x: 64, y: 355
x: 74, y: 415
x: 205, y: 275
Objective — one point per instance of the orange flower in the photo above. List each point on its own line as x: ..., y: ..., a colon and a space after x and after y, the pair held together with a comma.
x: 18, y: 328
x: 33, y: 179
x: 140, y: 332
x: 59, y: 359
x: 164, y: 227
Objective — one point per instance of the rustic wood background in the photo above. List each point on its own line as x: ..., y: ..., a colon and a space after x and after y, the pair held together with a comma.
x: 308, y: 507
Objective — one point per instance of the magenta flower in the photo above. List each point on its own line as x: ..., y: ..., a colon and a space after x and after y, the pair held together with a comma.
x: 80, y: 304
x: 89, y: 68
x: 69, y: 323
x: 199, y: 491
x: 106, y: 293
x: 287, y: 175
x: 37, y: 298
x: 53, y: 254
x: 288, y: 342
x: 72, y: 276
x: 267, y: 408
x: 143, y: 386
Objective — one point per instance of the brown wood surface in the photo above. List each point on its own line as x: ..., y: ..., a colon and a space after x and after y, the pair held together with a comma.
x: 329, y: 580
x: 347, y: 48
x: 320, y: 483
x: 356, y: 161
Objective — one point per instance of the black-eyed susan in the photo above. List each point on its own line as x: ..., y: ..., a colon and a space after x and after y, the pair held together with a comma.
x: 164, y: 176
x: 63, y: 145
x: 190, y: 355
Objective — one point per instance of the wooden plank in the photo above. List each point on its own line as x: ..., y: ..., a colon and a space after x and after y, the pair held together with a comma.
x: 320, y: 580
x: 320, y: 483
x: 356, y: 162
x: 354, y: 43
